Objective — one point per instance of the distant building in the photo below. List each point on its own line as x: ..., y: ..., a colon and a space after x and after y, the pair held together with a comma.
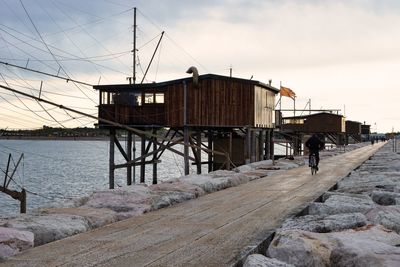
x: 365, y: 132
x: 353, y: 131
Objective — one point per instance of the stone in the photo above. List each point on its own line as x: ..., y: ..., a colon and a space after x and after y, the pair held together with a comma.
x: 384, y: 198
x: 178, y: 186
x: 341, y: 204
x: 127, y: 202
x: 388, y: 216
x: 368, y: 246
x: 325, y: 224
x: 162, y: 199
x: 300, y: 248
x: 365, y: 246
x: 48, y: 228
x: 13, y: 241
x: 258, y: 260
x: 95, y: 217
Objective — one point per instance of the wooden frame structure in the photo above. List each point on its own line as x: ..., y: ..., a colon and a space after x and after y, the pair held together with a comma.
x: 230, y: 119
x: 296, y: 129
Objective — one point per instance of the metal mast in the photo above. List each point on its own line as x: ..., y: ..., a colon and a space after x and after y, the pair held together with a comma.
x: 134, y: 46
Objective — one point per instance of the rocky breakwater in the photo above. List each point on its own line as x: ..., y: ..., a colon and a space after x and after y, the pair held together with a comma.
x: 107, y: 206
x: 358, y: 224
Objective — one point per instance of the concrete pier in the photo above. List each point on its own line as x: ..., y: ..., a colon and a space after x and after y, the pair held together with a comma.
x: 218, y: 229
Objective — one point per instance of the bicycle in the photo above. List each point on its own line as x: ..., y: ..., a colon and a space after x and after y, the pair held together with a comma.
x: 313, y: 164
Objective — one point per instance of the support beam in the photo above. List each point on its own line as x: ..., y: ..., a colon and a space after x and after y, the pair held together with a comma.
x: 154, y: 159
x: 186, y: 150
x: 198, y: 151
x: 142, y: 165
x: 111, y: 160
x: 129, y: 155
x: 210, y: 148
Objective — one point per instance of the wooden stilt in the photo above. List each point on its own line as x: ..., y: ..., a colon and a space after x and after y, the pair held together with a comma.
x: 252, y: 146
x: 111, y: 167
x: 210, y: 147
x: 271, y: 145
x: 248, y: 146
x: 198, y: 151
x: 133, y: 156
x: 142, y: 165
x: 154, y: 159
x: 186, y: 150
x: 129, y: 154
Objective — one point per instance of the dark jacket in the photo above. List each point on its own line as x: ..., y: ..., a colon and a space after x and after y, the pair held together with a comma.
x: 314, y: 143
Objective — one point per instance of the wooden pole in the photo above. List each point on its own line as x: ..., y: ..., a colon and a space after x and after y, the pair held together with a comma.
x: 248, y: 146
x: 129, y: 154
x: 134, y: 156
x: 154, y: 159
x: 198, y: 151
x: 186, y: 149
x: 111, y: 160
x: 210, y: 154
x: 23, y: 201
x: 142, y: 165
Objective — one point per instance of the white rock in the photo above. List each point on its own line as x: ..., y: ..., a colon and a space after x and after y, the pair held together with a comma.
x: 300, y: 248
x: 258, y: 260
x: 48, y: 228
x: 388, y: 216
x: 368, y: 247
x: 341, y: 204
x: 325, y: 224
x: 12, y: 241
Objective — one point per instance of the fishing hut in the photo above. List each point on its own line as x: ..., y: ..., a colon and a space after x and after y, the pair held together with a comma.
x: 298, y: 128
x: 365, y: 132
x: 353, y: 132
x: 224, y: 121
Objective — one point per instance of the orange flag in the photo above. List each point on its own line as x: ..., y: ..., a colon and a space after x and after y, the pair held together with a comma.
x: 287, y: 92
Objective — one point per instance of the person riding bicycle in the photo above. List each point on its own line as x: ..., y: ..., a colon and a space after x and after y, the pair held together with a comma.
x: 314, y: 144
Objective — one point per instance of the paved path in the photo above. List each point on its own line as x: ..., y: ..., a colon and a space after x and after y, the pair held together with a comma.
x: 218, y: 229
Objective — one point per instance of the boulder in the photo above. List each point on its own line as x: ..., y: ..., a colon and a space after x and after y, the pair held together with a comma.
x: 368, y: 246
x: 12, y: 241
x: 95, y: 217
x: 341, y: 204
x: 178, y: 186
x: 162, y: 199
x: 258, y: 260
x: 365, y: 246
x: 300, y: 248
x: 384, y: 198
x: 325, y: 224
x: 126, y: 202
x: 50, y: 227
x: 388, y: 216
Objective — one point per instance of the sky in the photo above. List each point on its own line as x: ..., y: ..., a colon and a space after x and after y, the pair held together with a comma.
x: 335, y: 54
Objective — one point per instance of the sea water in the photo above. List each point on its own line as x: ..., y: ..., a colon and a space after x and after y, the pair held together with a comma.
x: 57, y: 170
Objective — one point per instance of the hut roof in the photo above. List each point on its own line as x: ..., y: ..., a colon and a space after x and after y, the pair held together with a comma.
x: 130, y: 87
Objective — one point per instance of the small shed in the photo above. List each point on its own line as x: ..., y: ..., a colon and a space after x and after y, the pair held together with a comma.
x: 315, y: 123
x: 365, y: 132
x: 353, y: 131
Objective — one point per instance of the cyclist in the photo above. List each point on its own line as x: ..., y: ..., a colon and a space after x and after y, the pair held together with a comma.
x: 314, y: 144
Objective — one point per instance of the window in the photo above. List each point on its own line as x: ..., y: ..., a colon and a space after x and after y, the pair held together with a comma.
x: 148, y: 98
x: 159, y: 98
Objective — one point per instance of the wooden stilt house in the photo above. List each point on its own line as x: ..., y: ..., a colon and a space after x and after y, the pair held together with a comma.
x: 234, y: 115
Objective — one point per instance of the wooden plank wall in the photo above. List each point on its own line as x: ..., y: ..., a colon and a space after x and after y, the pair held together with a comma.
x: 214, y: 103
x: 264, y: 102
